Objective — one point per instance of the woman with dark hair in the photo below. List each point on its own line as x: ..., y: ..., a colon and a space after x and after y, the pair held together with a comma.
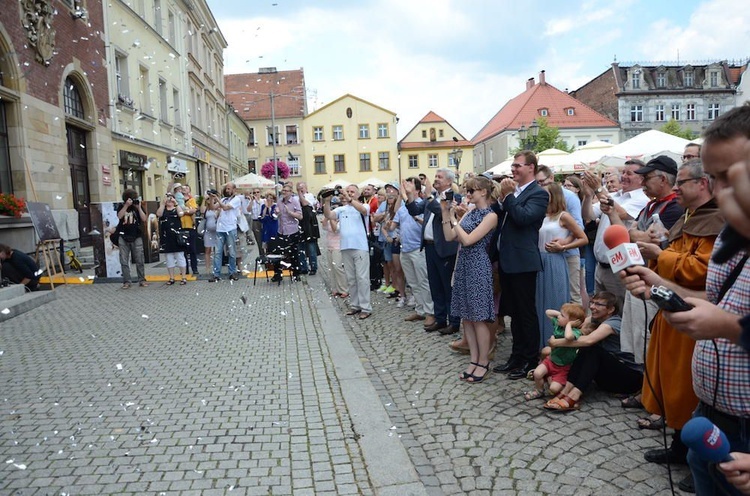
x: 600, y: 358
x: 559, y: 232
x: 269, y: 219
x: 170, y: 227
x: 471, y: 297
x: 19, y: 268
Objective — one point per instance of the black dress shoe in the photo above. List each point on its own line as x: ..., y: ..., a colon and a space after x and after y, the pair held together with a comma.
x: 509, y: 366
x: 313, y: 272
x: 666, y: 455
x: 434, y: 327
x: 519, y: 373
x: 451, y: 329
x: 687, y: 484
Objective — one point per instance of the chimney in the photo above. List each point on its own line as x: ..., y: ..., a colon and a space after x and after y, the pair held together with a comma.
x: 530, y: 83
x: 541, y: 78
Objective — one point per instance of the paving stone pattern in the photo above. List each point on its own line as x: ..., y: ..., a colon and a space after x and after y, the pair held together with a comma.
x: 190, y: 390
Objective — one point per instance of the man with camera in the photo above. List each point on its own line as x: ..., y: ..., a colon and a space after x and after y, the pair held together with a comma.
x: 355, y: 251
x: 226, y: 232
x: 131, y: 216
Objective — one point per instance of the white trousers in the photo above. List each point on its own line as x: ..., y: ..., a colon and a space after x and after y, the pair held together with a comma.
x: 415, y: 270
x: 357, y: 269
x: 338, y: 276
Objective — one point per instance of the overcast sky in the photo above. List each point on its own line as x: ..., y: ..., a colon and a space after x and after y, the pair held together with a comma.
x: 465, y: 59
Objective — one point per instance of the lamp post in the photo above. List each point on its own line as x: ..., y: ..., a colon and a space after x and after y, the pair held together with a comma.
x: 456, y: 154
x: 528, y: 142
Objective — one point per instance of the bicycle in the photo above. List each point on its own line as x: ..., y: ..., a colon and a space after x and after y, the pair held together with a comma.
x: 73, y: 261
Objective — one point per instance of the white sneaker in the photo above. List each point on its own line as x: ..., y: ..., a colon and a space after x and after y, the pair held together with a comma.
x: 411, y: 302
x: 400, y: 302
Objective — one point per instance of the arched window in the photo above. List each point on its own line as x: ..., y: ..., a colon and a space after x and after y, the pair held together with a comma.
x: 72, y: 99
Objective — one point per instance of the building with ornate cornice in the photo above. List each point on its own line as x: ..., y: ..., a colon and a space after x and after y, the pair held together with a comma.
x: 647, y: 96
x: 430, y: 145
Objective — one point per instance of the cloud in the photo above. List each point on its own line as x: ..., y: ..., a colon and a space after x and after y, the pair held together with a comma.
x: 588, y: 14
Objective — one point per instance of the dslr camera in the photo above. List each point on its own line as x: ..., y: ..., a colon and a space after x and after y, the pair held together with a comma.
x: 327, y: 193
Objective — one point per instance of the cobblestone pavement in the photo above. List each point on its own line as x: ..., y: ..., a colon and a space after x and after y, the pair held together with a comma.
x: 231, y: 388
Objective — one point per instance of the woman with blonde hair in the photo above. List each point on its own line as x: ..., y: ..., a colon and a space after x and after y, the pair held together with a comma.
x: 559, y: 232
x: 471, y: 298
x: 209, y: 210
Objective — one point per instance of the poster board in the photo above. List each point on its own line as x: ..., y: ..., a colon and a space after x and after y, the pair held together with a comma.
x: 44, y: 223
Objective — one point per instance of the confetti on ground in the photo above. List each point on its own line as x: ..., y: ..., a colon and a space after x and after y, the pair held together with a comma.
x: 119, y: 366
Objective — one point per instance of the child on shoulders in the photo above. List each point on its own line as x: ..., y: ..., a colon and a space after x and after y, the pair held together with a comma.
x: 556, y: 363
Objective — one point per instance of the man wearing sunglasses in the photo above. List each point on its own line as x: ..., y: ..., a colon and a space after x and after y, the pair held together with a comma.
x: 521, y: 211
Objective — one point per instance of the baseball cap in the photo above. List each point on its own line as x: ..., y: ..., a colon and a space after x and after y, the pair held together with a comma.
x: 661, y: 163
x: 394, y: 185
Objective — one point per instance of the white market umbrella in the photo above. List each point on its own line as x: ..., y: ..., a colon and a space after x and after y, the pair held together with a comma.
x: 501, y: 169
x: 643, y: 146
x: 378, y: 183
x: 553, y: 158
x: 251, y: 180
x: 585, y: 157
x: 335, y: 184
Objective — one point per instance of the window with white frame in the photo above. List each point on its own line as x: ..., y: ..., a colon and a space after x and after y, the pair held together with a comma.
x: 713, y: 78
x: 121, y: 75
x: 690, y: 111
x: 338, y: 133
x: 163, y: 102
x: 251, y: 137
x: 145, y: 92
x: 318, y: 133
x: 176, y: 104
x: 636, y: 113
x: 676, y: 111
x: 157, y: 16
x: 384, y: 160
x: 291, y: 135
x: 661, y: 80
x: 364, y: 162
x: 582, y: 142
x: 172, y: 28
x: 272, y: 135
x: 688, y: 79
x: 413, y: 161
x: 432, y: 160
x: 636, y: 80
x: 382, y: 130
x: 544, y: 112
x: 320, y: 164
x: 570, y: 111
x: 293, y: 163
x: 364, y: 131
x: 659, y: 113
x: 338, y: 163
x: 713, y: 111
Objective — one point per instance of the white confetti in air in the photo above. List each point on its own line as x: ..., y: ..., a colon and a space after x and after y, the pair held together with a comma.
x: 59, y: 197
x: 154, y: 441
x: 283, y: 313
x: 393, y: 427
x: 204, y: 402
x: 82, y: 279
x: 144, y: 316
x: 5, y: 311
x: 119, y: 366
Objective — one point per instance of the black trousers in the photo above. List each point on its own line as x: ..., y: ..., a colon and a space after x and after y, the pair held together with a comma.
x: 519, y: 300
x: 593, y: 363
x: 286, y: 246
x: 191, y: 250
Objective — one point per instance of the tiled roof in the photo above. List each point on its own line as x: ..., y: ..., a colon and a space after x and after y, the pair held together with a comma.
x: 523, y: 109
x: 432, y: 117
x: 249, y: 94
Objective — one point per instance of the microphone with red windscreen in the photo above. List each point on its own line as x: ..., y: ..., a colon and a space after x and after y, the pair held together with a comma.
x: 622, y: 253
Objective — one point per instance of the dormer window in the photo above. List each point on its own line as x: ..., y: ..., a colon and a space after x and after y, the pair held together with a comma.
x: 713, y: 78
x: 689, y: 80
x: 635, y: 80
x: 570, y: 111
x: 544, y: 112
x: 661, y: 80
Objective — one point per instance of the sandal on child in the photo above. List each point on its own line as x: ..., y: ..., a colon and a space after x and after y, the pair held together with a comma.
x: 170, y: 282
x: 534, y: 394
x: 562, y: 404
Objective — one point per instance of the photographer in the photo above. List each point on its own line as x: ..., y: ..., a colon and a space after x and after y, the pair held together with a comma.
x: 131, y: 216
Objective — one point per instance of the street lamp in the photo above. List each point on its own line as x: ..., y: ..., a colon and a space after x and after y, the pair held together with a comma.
x: 456, y: 154
x: 523, y: 133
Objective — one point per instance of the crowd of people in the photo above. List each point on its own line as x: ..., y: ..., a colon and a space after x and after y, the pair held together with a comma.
x: 532, y: 247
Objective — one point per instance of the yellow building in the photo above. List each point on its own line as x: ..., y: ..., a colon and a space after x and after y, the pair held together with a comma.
x: 239, y: 137
x: 349, y: 139
x: 434, y: 144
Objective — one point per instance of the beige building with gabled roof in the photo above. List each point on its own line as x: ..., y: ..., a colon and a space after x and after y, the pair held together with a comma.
x: 433, y: 144
x: 351, y: 139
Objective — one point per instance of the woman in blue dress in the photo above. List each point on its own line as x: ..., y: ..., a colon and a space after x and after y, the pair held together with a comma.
x: 471, y: 297
x: 269, y: 220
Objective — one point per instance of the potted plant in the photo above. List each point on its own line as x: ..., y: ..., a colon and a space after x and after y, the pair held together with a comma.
x: 11, y: 206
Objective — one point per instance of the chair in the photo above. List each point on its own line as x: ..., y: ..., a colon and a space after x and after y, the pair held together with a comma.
x: 277, y: 256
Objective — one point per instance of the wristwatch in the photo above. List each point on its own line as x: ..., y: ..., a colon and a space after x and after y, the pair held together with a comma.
x: 599, y: 189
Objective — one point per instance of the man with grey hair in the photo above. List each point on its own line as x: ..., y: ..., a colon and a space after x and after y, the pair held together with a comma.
x: 439, y: 253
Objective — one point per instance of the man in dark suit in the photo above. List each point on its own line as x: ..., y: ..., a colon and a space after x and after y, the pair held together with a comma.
x: 521, y: 211
x: 439, y: 253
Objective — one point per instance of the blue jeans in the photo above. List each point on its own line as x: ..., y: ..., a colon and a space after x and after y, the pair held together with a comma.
x: 308, y: 249
x: 590, y: 265
x: 708, y: 479
x: 228, y: 239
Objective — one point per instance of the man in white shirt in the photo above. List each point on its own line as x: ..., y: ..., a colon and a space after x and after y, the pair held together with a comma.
x: 626, y: 205
x: 256, y: 202
x: 355, y: 251
x: 226, y: 231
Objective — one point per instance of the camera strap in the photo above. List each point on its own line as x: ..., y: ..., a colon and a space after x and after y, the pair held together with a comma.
x: 732, y: 278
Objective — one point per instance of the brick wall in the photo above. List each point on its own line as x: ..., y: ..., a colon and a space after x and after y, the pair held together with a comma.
x: 599, y: 94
